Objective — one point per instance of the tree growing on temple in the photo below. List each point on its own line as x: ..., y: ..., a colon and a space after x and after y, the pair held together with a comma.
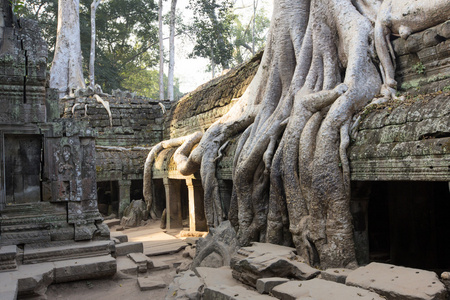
x: 66, y: 73
x: 291, y: 176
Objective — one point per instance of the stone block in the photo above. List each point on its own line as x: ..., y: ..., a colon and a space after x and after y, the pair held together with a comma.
x: 149, y: 283
x: 129, y: 247
x: 8, y: 288
x: 268, y: 260
x: 185, y: 284
x: 126, y: 265
x: 233, y: 293
x: 8, y: 257
x: 123, y: 238
x: 335, y: 274
x: 85, y: 268
x: 265, y: 285
x: 395, y: 282
x: 143, y: 262
x: 158, y: 265
x: 34, y: 279
x: 214, y: 276
x: 319, y: 289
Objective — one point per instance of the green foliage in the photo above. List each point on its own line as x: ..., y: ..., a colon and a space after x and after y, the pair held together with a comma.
x: 419, y: 68
x: 145, y: 82
x: 242, y: 34
x: 212, y: 29
x: 126, y: 36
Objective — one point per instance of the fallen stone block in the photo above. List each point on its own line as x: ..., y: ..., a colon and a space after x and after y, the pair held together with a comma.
x: 395, y: 282
x: 265, y: 285
x: 143, y: 262
x: 185, y: 285
x: 111, y: 222
x: 214, y: 276
x: 85, y: 268
x: 149, y: 283
x: 338, y: 275
x: 33, y: 280
x: 123, y: 238
x: 158, y: 265
x: 233, y: 293
x: 263, y: 260
x: 319, y: 289
x: 129, y: 247
x: 126, y: 265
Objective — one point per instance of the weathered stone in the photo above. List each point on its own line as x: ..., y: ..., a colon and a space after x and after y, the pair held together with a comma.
x: 129, y: 247
x: 134, y: 214
x: 335, y: 274
x: 265, y: 285
x: 395, y: 282
x: 55, y: 251
x: 8, y: 257
x: 185, y: 285
x: 319, y: 289
x: 158, y: 265
x: 149, y: 283
x: 141, y: 259
x: 233, y: 293
x: 34, y: 279
x: 85, y: 268
x: 217, y: 247
x: 269, y: 260
x: 126, y: 265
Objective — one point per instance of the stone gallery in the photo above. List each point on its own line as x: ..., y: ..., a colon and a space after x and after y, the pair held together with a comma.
x: 320, y: 167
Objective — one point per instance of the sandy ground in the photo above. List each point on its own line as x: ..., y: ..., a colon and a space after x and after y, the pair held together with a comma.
x: 122, y: 286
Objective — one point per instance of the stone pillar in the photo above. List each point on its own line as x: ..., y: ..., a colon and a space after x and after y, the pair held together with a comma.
x: 124, y: 195
x: 197, y: 220
x: 173, y: 203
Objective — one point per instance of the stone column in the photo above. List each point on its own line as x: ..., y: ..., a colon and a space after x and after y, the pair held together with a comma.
x: 173, y: 203
x: 197, y: 220
x: 124, y: 195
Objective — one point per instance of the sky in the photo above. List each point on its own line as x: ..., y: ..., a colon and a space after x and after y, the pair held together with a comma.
x: 192, y: 72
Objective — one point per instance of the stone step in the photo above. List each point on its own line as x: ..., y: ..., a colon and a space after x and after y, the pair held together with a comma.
x: 126, y: 265
x: 33, y: 280
x: 159, y: 265
x: 150, y: 283
x: 142, y: 261
x: 8, y: 258
x: 85, y: 268
x: 55, y: 251
x: 129, y: 247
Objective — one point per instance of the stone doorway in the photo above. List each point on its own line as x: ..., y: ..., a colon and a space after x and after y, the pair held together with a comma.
x: 108, y: 197
x: 407, y: 224
x: 23, y: 167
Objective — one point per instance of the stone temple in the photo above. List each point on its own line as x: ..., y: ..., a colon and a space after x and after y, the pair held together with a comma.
x: 65, y: 164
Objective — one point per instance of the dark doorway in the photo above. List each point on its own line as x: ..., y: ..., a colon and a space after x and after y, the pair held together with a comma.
x: 23, y: 165
x: 184, y: 199
x: 407, y: 224
x: 159, y: 196
x: 108, y: 197
x: 136, y: 190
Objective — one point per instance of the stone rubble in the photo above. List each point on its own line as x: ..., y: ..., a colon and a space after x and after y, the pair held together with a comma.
x: 267, y: 271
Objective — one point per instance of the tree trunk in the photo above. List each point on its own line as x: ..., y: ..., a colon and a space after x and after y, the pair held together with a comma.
x: 171, y: 50
x: 94, y: 6
x: 291, y: 178
x: 161, y: 51
x: 66, y: 73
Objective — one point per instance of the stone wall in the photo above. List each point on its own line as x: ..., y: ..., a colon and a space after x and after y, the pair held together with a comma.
x: 199, y: 109
x: 423, y: 60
